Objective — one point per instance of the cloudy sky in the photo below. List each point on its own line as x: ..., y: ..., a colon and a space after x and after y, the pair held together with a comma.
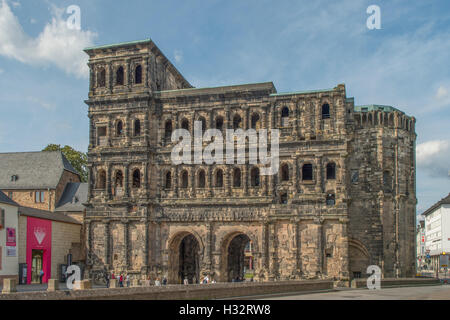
x: 299, y: 45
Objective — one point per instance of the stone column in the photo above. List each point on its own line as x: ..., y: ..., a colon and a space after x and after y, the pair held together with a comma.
x: 272, y: 251
x: 92, y: 133
x: 108, y: 180
x: 107, y: 237
x: 245, y: 176
x: 110, y: 130
x: 126, y: 181
x: 125, y: 224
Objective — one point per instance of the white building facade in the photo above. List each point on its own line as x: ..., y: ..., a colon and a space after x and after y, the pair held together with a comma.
x: 437, y: 232
x: 9, y: 255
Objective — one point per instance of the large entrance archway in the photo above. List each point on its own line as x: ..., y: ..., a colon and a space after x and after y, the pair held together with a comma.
x: 184, y: 259
x: 359, y: 259
x: 237, y: 258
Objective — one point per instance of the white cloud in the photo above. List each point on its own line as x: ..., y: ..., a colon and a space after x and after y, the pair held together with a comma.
x: 442, y: 92
x: 55, y: 45
x: 434, y: 157
x: 1, y: 71
x: 178, y: 55
x: 33, y: 21
x: 41, y: 103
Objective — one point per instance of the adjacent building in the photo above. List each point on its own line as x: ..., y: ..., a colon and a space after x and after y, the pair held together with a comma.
x: 437, y: 233
x: 9, y: 226
x: 420, y: 247
x: 36, y: 179
x: 49, y: 198
x: 344, y: 196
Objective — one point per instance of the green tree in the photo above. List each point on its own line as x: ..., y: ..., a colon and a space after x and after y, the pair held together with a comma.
x: 78, y: 159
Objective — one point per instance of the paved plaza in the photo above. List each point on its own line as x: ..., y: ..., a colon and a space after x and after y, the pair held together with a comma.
x: 440, y: 292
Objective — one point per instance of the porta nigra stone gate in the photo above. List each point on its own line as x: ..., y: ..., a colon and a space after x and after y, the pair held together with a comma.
x: 344, y: 197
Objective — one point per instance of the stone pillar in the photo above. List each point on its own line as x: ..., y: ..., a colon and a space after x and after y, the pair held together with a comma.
x: 108, y: 180
x: 272, y: 251
x: 245, y: 176
x: 9, y: 286
x: 53, y: 285
x: 89, y: 242
x: 125, y: 224
x: 228, y: 181
x: 107, y: 242
x: 113, y: 283
x: 110, y: 130
x: 320, y: 249
x: 92, y: 133
x: 126, y: 181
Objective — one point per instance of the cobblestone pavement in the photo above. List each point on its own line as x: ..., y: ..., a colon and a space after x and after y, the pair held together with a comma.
x: 440, y: 292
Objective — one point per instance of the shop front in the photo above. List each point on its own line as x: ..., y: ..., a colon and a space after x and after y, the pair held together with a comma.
x: 38, y: 250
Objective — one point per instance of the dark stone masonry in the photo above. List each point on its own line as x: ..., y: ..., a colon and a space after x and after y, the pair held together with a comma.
x: 344, y: 197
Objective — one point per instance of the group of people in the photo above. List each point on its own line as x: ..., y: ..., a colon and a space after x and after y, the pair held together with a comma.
x: 205, y: 280
x: 121, y: 278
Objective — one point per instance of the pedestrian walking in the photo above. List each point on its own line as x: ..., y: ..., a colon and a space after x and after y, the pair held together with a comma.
x: 186, y: 281
x: 164, y: 282
x: 113, y: 276
x: 157, y: 282
x: 128, y: 280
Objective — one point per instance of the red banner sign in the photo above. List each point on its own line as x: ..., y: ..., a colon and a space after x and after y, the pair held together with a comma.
x: 10, y: 237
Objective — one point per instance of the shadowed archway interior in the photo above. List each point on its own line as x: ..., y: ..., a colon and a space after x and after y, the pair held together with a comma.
x: 236, y: 257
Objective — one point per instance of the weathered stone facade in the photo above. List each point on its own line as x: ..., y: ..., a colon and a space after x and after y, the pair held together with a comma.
x: 344, y: 196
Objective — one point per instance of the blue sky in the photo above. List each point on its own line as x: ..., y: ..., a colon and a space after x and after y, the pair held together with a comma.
x: 299, y: 45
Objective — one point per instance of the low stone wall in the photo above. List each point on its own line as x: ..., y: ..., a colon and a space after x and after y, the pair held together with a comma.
x: 394, y: 282
x: 177, y: 292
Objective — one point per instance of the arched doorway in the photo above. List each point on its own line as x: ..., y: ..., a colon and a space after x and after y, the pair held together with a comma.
x: 359, y: 259
x: 239, y: 258
x: 184, y: 260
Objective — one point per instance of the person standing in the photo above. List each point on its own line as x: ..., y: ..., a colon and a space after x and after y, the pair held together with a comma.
x: 121, y: 281
x: 41, y: 275
x: 164, y: 282
x: 128, y: 280
x: 107, y: 279
x: 186, y: 281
